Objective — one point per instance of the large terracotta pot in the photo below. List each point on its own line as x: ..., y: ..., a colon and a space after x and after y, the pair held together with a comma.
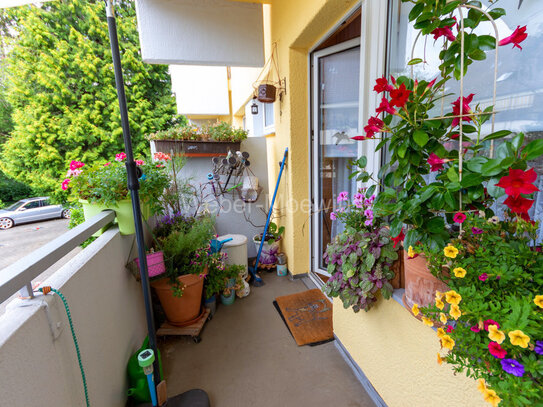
x: 181, y: 310
x: 420, y: 284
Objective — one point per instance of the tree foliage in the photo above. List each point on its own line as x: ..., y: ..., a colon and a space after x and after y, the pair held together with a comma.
x: 61, y: 86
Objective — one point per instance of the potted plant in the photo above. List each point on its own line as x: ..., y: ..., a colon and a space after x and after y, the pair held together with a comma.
x: 187, y: 257
x: 193, y: 141
x: 231, y: 283
x: 104, y: 186
x: 271, y: 244
x: 436, y: 172
x: 360, y: 259
x: 493, y: 310
x: 215, y: 281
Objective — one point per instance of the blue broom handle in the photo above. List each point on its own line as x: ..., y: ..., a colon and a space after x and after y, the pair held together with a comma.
x: 271, y: 209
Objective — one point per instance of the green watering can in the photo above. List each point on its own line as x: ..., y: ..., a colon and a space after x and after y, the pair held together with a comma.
x: 137, y: 381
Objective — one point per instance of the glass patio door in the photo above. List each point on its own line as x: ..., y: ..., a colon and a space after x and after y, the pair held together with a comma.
x: 336, y: 77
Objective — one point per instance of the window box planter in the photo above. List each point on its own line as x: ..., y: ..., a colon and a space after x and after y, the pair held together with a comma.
x: 123, y: 212
x: 191, y: 148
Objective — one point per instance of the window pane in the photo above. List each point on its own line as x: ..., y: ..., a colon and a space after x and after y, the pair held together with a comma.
x: 268, y: 115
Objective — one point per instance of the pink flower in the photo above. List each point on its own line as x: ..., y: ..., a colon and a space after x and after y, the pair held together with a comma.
x: 368, y: 222
x: 476, y: 231
x: 120, y: 157
x: 459, y: 217
x: 516, y: 38
x: 74, y: 165
x: 343, y: 196
x: 107, y: 164
x: 435, y: 162
x: 65, y: 184
x: 489, y: 322
x: 160, y: 165
x: 444, y: 31
x: 333, y: 216
x: 385, y: 107
x: 431, y: 84
x: 475, y: 329
x: 375, y: 125
x: 359, y: 138
x: 496, y: 350
x: 483, y: 277
x: 140, y: 162
x: 73, y: 173
x: 449, y: 329
x: 466, y: 110
x: 382, y: 85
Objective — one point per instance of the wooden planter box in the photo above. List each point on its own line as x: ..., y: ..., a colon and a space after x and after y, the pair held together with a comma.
x: 196, y: 148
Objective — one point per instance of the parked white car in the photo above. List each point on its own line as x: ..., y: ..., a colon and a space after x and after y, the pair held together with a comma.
x: 31, y: 210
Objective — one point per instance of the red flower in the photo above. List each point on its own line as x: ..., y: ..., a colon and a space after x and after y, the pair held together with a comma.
x: 385, y: 107
x: 454, y: 136
x: 375, y: 125
x: 519, y: 204
x: 398, y: 238
x: 459, y: 217
x: 466, y: 110
x: 518, y: 182
x: 475, y: 329
x: 431, y: 84
x: 489, y: 322
x: 435, y: 162
x: 496, y: 350
x: 449, y: 329
x: 382, y: 85
x: 516, y: 38
x: 444, y: 31
x: 399, y: 96
x: 359, y: 138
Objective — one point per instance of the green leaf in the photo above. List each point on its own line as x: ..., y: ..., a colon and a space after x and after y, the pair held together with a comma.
x: 420, y: 137
x: 415, y: 11
x: 487, y: 42
x: 370, y: 261
x: 450, y: 7
x: 451, y: 200
x: 477, y: 54
x: 371, y: 190
x: 415, y: 61
x: 493, y: 190
x: 476, y: 163
x: 402, y: 149
x: 491, y: 167
x: 497, y: 134
x: 436, y: 224
x: 452, y: 174
x: 471, y: 180
x: 427, y: 193
x: 517, y: 141
x: 497, y: 13
x: 533, y: 150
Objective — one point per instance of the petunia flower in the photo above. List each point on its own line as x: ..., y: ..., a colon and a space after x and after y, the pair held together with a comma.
x: 411, y: 253
x: 459, y: 217
x: 442, y: 318
x: 496, y: 350
x: 439, y: 359
x: 440, y: 332
x: 399, y: 96
x: 450, y: 251
x: 436, y: 163
x: 447, y: 342
x: 427, y: 321
x: 382, y: 85
x: 450, y: 328
x: 489, y: 322
x: 385, y: 107
x: 538, y: 300
x: 481, y: 385
x: 513, y: 367
x: 440, y: 304
x: 495, y: 334
x: 398, y: 238
x: 519, y: 338
x: 518, y: 182
x: 455, y: 312
x: 483, y: 277
x: 491, y: 397
x: 476, y: 231
x: 415, y: 309
x: 516, y: 38
x: 466, y: 110
x: 538, y: 347
x: 459, y: 272
x: 439, y: 295
x: 475, y: 329
x: 452, y: 297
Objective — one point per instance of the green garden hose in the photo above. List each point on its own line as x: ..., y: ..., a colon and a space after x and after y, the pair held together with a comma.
x: 45, y: 291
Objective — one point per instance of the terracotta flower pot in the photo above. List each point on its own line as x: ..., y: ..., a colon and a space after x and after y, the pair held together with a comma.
x: 180, y: 310
x: 398, y: 269
x: 420, y: 284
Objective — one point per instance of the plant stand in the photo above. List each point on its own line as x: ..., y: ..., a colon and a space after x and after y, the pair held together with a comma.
x: 193, y: 330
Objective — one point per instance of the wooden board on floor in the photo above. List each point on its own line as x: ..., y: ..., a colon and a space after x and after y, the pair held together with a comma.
x: 189, y: 330
x: 308, y: 315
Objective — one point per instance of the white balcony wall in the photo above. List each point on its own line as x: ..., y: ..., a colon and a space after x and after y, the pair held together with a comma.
x: 201, y: 32
x: 242, y: 81
x: 200, y: 90
x: 38, y: 364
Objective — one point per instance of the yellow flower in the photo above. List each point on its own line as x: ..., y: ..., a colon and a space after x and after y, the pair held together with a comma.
x: 539, y: 301
x: 450, y: 251
x: 415, y: 309
x: 440, y: 333
x: 459, y: 272
x: 427, y: 321
x: 491, y: 397
x: 495, y: 334
x: 452, y: 297
x: 455, y: 312
x: 443, y: 318
x: 447, y: 342
x: 440, y: 304
x: 439, y: 359
x: 519, y: 338
x: 439, y: 295
x: 410, y: 252
x: 481, y: 385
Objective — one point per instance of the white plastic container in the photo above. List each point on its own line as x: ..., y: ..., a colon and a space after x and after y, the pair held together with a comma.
x: 236, y: 250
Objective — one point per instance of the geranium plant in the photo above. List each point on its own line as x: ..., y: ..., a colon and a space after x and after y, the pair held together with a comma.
x: 359, y: 259
x: 492, y: 316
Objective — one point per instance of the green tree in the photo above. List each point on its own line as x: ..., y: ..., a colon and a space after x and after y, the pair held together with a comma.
x: 61, y: 86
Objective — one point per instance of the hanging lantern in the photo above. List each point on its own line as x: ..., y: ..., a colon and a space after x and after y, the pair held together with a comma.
x: 254, y: 107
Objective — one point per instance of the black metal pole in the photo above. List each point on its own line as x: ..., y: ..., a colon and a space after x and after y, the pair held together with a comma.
x: 133, y: 184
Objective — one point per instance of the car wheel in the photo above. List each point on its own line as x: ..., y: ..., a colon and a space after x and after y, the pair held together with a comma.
x: 66, y: 214
x: 6, y: 223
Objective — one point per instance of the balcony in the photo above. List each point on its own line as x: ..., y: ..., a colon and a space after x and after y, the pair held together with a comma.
x: 246, y: 357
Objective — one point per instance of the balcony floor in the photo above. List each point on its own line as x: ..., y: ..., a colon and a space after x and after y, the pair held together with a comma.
x: 247, y: 357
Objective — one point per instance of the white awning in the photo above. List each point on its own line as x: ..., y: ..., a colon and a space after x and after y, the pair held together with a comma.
x: 15, y: 3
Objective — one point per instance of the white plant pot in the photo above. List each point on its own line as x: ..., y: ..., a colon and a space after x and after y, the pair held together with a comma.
x: 269, y: 251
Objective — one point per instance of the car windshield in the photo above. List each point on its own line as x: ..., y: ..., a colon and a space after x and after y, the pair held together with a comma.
x: 14, y: 206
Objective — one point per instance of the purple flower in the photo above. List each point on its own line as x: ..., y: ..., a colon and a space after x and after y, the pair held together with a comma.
x: 333, y: 216
x: 476, y: 231
x: 368, y: 222
x: 343, y: 196
x: 483, y: 277
x: 358, y: 203
x: 513, y: 367
x: 358, y: 197
x: 538, y: 347
x: 368, y: 213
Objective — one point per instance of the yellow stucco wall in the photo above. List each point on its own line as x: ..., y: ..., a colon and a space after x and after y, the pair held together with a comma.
x: 398, y: 354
